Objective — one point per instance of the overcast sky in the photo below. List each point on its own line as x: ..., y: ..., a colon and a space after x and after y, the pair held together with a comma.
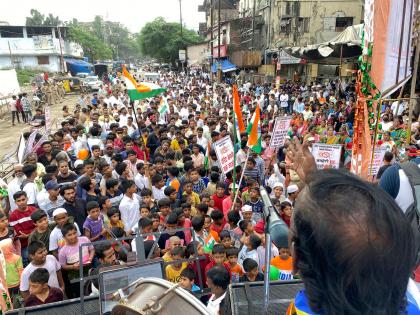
x: 132, y: 13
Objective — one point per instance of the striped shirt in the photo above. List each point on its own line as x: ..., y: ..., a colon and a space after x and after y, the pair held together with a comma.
x: 21, y: 222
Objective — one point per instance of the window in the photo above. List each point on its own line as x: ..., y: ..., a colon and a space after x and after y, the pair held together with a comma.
x: 341, y: 23
x: 286, y: 25
x: 43, y: 60
x: 11, y: 31
x: 304, y: 25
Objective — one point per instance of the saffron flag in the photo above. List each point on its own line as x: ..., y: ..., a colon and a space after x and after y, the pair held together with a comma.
x: 239, y: 122
x: 207, y: 159
x: 142, y: 90
x: 254, y: 132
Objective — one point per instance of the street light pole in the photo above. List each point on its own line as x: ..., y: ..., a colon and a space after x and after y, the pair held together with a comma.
x: 219, y: 65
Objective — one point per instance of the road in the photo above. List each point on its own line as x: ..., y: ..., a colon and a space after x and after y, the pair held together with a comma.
x: 11, y: 134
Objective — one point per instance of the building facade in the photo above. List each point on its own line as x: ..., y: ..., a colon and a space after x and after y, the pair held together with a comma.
x: 38, y: 48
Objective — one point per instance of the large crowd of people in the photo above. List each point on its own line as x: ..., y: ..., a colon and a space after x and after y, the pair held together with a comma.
x: 118, y: 168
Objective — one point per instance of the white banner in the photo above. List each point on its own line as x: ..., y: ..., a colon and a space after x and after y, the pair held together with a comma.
x: 281, y: 126
x: 29, y: 144
x: 327, y: 155
x: 378, y: 157
x: 225, y: 153
x: 48, y: 121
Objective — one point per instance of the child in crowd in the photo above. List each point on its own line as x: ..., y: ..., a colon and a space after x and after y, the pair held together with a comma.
x: 104, y: 204
x: 207, y: 224
x: 246, y: 228
x: 286, y: 211
x: 247, y: 214
x: 197, y: 183
x: 68, y: 257
x: 174, y: 241
x: 186, y: 280
x: 42, y: 228
x: 283, y: 262
x: 173, y: 271
x: 193, y: 250
x: 218, y: 221
x: 40, y: 259
x: 233, y: 228
x: 183, y: 222
x: 7, y: 231
x: 113, y: 191
x: 93, y: 228
x: 145, y: 210
x: 171, y: 224
x: 164, y: 209
x: 156, y: 227
x: 235, y: 269
x: 57, y: 241
x: 256, y: 203
x: 14, y: 266
x: 249, y: 250
x: 211, y: 186
x: 251, y: 271
x: 189, y: 193
x: 218, y: 258
x: 219, y: 196
x: 40, y: 292
x: 207, y: 200
x: 172, y: 194
x: 114, y: 220
x: 147, y: 198
x: 202, y: 209
x: 225, y: 239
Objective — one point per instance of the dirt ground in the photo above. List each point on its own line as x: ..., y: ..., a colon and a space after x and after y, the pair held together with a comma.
x: 10, y: 135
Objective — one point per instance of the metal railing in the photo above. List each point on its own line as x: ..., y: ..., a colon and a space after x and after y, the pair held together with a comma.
x: 141, y: 257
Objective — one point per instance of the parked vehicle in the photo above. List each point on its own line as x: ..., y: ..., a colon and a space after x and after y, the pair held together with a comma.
x: 92, y: 83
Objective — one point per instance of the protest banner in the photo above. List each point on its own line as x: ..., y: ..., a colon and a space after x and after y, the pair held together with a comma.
x: 378, y: 157
x: 225, y: 153
x: 281, y: 126
x: 29, y: 144
x: 326, y: 155
x: 48, y: 122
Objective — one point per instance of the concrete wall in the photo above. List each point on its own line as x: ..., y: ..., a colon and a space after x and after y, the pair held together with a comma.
x: 30, y: 62
x: 196, y: 54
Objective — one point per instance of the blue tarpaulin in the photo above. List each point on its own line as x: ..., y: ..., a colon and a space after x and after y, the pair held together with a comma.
x: 78, y: 66
x: 227, y: 66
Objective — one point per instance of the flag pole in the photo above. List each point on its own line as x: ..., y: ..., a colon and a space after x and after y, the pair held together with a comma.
x: 240, y: 181
x: 235, y: 140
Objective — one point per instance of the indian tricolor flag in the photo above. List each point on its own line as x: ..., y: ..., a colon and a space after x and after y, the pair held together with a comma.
x: 142, y: 90
x: 254, y: 132
x: 239, y: 122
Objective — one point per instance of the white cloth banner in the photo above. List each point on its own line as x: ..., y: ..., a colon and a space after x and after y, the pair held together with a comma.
x: 225, y: 154
x: 327, y: 155
x: 281, y: 126
x: 378, y: 157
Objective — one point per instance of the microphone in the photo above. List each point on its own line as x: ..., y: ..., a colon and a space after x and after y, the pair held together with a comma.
x: 277, y: 229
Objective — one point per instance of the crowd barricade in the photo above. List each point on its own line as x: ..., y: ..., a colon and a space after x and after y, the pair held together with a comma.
x: 141, y: 257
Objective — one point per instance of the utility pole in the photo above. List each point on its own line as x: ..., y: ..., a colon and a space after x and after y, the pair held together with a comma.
x: 10, y: 54
x: 219, y: 65
x: 211, y: 39
x: 180, y: 15
x: 253, y: 24
x: 61, y: 50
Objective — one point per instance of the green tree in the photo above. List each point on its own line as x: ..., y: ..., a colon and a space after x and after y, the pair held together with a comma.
x: 92, y: 46
x: 38, y: 19
x: 162, y: 40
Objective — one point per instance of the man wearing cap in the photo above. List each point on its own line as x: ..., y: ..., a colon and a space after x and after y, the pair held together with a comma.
x: 292, y: 193
x: 61, y: 217
x: 53, y: 201
x: 15, y: 184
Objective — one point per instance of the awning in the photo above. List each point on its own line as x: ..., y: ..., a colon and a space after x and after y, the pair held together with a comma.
x: 78, y: 66
x: 227, y: 66
x: 345, y: 45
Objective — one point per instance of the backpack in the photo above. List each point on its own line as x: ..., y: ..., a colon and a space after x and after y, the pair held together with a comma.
x: 413, y: 212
